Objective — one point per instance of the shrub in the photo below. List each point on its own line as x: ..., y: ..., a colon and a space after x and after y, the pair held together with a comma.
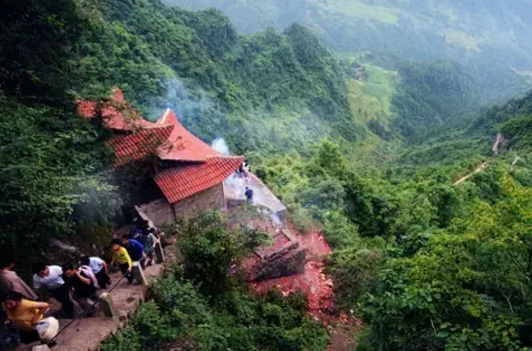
x: 355, y: 273
x: 210, y: 250
x: 301, y: 218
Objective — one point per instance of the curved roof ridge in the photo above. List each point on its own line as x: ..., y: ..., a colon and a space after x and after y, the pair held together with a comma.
x: 182, y: 145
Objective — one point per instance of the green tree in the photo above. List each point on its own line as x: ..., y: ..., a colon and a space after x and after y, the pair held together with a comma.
x: 210, y: 250
x: 466, y: 289
x: 36, y: 44
x: 355, y: 272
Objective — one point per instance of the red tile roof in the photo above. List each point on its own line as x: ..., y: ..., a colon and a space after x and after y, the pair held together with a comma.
x: 117, y: 114
x: 132, y: 147
x: 200, y: 166
x: 183, y: 145
x: 179, y: 183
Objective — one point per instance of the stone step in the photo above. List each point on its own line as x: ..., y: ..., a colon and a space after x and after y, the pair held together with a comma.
x: 87, y: 333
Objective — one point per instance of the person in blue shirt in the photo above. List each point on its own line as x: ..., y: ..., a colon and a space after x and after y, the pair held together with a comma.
x: 135, y: 249
x: 249, y: 196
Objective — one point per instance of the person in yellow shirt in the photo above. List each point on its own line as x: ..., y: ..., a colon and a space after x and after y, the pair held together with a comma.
x: 121, y: 257
x: 24, y: 314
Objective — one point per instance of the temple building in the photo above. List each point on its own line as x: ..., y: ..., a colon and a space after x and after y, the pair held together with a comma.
x: 189, y: 176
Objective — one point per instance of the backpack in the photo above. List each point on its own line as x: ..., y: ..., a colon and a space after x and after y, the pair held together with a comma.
x: 88, y: 272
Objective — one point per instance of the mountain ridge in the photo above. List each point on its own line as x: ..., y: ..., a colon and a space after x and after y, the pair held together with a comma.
x: 488, y: 37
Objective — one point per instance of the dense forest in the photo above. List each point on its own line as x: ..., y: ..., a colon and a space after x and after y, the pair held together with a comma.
x: 197, y: 64
x: 488, y: 37
x: 367, y: 152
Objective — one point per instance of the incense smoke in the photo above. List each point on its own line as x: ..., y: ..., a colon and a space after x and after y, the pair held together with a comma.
x: 192, y: 106
x: 220, y: 145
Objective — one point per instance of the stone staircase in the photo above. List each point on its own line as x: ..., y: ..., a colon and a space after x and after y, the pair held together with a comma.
x: 86, y: 333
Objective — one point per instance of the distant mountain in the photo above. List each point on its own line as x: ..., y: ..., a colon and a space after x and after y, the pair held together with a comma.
x: 491, y: 37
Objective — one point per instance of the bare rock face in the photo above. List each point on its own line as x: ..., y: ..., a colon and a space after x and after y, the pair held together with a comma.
x: 500, y: 144
x: 282, y: 264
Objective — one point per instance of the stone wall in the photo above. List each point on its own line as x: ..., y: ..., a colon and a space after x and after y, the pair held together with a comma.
x: 159, y: 212
x: 212, y: 198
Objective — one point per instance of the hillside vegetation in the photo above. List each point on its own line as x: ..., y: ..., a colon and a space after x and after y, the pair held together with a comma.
x: 366, y: 153
x: 268, y: 91
x: 489, y: 37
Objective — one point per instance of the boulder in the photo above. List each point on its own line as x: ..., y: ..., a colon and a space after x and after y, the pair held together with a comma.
x: 290, y: 263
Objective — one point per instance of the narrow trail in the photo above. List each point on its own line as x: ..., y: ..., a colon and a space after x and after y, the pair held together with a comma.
x: 479, y: 169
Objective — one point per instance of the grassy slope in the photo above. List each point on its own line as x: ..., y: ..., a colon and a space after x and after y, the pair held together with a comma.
x: 370, y: 98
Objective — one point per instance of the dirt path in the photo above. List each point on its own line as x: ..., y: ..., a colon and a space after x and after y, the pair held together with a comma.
x: 481, y: 168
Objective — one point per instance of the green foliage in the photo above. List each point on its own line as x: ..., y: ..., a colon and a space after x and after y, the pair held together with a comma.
x: 475, y: 33
x: 466, y: 289
x: 180, y: 301
x: 153, y: 327
x: 36, y: 43
x: 339, y: 230
x: 355, y: 273
x: 431, y: 95
x: 328, y: 160
x: 491, y: 120
x: 209, y: 251
x: 217, y: 80
x: 519, y: 131
x: 275, y: 323
x: 52, y: 174
x: 180, y: 315
x: 301, y: 218
x: 127, y: 339
x: 361, y: 207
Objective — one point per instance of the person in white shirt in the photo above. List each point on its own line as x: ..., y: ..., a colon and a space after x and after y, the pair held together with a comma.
x: 100, y: 269
x: 50, y: 278
x: 246, y: 169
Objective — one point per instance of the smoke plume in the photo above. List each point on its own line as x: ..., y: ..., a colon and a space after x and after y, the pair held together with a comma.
x: 220, y: 145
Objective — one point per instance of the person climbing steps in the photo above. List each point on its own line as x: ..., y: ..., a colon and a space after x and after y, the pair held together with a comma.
x: 99, y: 268
x: 83, y: 285
x: 50, y: 278
x: 135, y: 250
x: 121, y: 257
x: 148, y: 240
